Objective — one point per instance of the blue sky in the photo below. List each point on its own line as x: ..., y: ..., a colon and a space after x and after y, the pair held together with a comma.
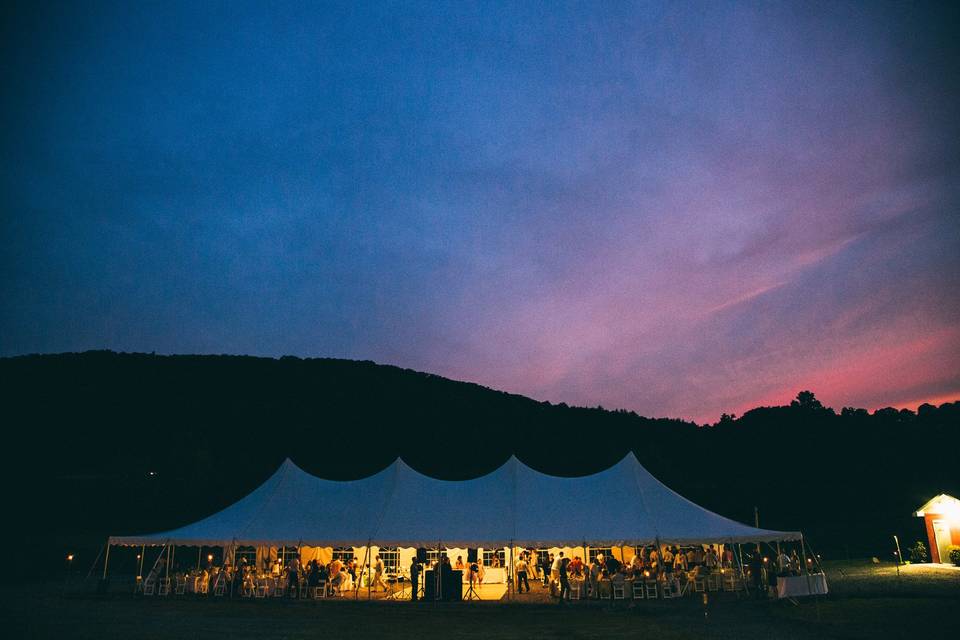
x: 677, y: 208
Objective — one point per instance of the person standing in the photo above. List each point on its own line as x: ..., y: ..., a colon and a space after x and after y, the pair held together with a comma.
x: 293, y: 575
x: 564, y: 580
x: 414, y: 578
x: 521, y: 567
x: 378, y: 575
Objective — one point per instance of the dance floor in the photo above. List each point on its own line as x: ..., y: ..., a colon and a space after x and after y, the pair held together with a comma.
x: 484, y: 592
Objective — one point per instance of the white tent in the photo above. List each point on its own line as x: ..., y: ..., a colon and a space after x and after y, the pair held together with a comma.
x: 516, y: 505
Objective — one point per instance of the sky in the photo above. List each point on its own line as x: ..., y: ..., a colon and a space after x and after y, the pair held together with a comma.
x: 681, y: 209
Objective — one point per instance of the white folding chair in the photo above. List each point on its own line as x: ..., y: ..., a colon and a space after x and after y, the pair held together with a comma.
x: 636, y: 590
x: 699, y: 584
x: 164, y: 587
x: 220, y: 588
x: 575, y: 590
x: 181, y: 586
x: 670, y: 589
x: 619, y: 593
x: 650, y: 588
x: 149, y: 586
x: 714, y: 582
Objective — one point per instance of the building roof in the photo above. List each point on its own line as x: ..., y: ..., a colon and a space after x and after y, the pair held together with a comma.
x: 940, y: 504
x: 398, y: 506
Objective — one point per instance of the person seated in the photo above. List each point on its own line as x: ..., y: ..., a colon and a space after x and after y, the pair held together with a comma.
x: 576, y: 566
x: 313, y: 574
x: 459, y: 565
x: 604, y: 587
x: 346, y: 583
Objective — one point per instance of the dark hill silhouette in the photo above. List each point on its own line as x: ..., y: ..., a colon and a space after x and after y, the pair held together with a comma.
x: 115, y: 443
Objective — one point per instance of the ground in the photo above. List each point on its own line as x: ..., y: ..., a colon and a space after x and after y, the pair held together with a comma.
x: 866, y: 601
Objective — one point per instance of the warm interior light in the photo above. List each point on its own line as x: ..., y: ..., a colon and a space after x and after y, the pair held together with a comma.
x: 209, y: 557
x: 70, y: 557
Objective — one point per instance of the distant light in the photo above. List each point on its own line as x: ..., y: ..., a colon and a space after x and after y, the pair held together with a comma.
x: 765, y: 558
x: 138, y: 556
x: 70, y: 557
x: 209, y: 557
x: 152, y: 473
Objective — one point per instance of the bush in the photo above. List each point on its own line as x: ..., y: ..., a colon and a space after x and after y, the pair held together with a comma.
x: 953, y: 552
x: 918, y: 552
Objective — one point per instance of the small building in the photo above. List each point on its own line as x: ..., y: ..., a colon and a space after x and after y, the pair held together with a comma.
x: 941, y: 515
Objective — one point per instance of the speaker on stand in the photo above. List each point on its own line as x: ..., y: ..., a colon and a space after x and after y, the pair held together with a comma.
x: 473, y: 569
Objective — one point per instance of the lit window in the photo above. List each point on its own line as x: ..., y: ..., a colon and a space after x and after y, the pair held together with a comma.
x: 594, y: 551
x: 246, y: 553
x: 343, y: 554
x: 490, y: 554
x: 391, y: 559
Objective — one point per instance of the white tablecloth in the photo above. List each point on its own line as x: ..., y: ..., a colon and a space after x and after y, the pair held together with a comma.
x: 794, y: 586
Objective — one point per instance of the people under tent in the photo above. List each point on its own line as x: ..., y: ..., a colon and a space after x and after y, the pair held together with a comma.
x: 567, y: 573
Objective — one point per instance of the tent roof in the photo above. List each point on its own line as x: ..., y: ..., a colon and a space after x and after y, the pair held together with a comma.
x: 398, y: 506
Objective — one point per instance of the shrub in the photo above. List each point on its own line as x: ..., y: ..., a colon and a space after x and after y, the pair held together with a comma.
x: 918, y: 552
x: 953, y: 552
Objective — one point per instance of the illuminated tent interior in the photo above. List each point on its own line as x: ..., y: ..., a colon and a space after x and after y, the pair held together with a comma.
x: 621, y: 507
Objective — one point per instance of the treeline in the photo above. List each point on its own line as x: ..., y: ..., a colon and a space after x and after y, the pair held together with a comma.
x: 112, y: 443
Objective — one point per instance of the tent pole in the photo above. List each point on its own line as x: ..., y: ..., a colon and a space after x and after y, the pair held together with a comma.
x: 806, y: 571
x: 659, y: 557
x: 143, y: 552
x: 96, y: 560
x: 738, y: 556
x: 199, y: 551
x: 233, y: 564
x: 168, y: 560
x: 510, y: 585
x: 370, y: 556
x: 106, y: 560
x: 356, y: 587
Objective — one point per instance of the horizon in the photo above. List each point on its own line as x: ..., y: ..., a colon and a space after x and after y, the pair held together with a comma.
x: 936, y: 402
x: 677, y: 210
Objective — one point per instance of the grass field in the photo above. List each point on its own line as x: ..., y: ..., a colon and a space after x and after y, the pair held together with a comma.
x: 866, y: 601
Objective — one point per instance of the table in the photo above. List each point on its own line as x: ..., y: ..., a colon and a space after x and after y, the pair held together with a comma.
x: 794, y: 586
